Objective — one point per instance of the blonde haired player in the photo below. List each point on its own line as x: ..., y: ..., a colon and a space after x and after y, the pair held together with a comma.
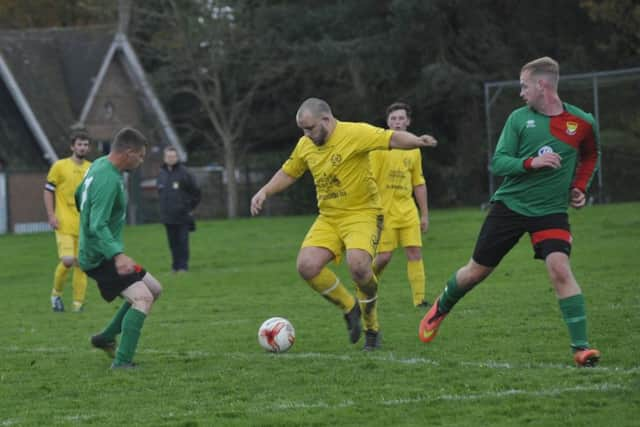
x: 337, y: 155
x: 62, y: 180
x: 398, y: 174
x: 548, y: 153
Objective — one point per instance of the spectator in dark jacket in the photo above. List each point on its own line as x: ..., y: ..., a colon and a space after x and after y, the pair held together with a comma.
x: 179, y: 195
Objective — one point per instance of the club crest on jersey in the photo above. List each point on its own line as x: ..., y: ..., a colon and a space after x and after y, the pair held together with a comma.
x: 544, y: 150
x: 336, y: 159
x: 572, y: 127
x: 531, y: 123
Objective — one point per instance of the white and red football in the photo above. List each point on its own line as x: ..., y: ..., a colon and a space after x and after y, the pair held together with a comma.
x: 276, y: 335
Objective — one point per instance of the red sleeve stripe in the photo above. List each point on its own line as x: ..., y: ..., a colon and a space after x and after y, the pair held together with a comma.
x: 551, y: 234
x: 527, y: 163
x: 588, y: 162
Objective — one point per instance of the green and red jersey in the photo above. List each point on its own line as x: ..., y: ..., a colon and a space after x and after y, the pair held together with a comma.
x: 102, y: 202
x: 527, y: 134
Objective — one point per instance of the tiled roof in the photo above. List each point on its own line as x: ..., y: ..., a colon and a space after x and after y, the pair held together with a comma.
x: 55, y: 69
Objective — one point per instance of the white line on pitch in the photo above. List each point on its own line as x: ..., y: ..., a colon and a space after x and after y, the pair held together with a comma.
x: 381, y: 357
x: 603, y: 388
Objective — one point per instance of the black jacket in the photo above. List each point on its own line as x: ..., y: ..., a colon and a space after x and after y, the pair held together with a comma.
x: 179, y: 195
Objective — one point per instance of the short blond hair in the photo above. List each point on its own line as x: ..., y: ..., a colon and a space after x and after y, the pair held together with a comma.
x: 544, y: 66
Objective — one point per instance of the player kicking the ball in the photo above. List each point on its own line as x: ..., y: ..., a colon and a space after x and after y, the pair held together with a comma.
x: 336, y: 154
x: 548, y: 153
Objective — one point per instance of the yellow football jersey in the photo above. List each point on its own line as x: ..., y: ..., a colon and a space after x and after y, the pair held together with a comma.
x: 64, y: 177
x: 340, y: 167
x: 397, y: 172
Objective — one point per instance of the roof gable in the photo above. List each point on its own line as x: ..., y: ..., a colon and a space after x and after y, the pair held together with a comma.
x: 55, y: 69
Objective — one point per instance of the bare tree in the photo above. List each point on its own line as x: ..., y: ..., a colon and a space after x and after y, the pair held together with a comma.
x: 211, y: 62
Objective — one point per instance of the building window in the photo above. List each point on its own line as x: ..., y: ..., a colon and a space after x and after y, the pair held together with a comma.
x: 108, y: 110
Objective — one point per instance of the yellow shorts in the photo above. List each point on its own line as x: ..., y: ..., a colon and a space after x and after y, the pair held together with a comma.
x: 359, y: 231
x: 391, y: 238
x: 67, y: 245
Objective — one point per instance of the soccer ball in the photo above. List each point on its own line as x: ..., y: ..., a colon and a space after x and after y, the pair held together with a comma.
x: 276, y: 335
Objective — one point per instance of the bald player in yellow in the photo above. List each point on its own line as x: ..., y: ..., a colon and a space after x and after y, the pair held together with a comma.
x: 64, y: 177
x: 398, y: 174
x: 337, y: 155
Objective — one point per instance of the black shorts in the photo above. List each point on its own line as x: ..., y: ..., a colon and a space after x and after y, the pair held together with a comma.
x: 503, y: 228
x: 110, y: 283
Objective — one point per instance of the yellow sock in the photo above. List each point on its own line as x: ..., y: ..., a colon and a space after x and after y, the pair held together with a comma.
x: 59, y: 279
x: 417, y: 280
x: 329, y: 286
x: 368, y: 299
x: 79, y: 283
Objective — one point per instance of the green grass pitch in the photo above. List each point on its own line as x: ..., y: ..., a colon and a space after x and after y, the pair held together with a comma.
x: 500, y: 359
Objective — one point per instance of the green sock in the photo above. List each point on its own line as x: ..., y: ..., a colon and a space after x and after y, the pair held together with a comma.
x: 115, y: 326
x: 575, y: 316
x: 131, y: 327
x: 451, y: 295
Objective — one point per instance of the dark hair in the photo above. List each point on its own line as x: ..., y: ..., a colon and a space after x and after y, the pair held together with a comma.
x: 76, y: 132
x: 128, y: 138
x: 399, y: 106
x: 170, y: 148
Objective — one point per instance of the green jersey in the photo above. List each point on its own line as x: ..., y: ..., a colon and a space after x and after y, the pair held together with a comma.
x: 102, y: 203
x: 527, y: 134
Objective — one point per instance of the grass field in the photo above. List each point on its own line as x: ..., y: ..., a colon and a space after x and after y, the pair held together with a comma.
x: 501, y: 358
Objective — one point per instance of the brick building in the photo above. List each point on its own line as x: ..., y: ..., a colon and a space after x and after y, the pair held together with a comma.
x: 51, y: 79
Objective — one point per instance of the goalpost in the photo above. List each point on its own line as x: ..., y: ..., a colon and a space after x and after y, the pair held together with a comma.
x: 503, y: 96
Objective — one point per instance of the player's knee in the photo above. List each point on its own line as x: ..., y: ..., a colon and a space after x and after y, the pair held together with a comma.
x: 361, y: 274
x: 414, y: 253
x: 383, y: 259
x: 560, y: 275
x: 307, y: 269
x: 153, y: 285
x: 559, y: 269
x: 143, y: 302
x: 156, y: 292
x: 67, y: 261
x: 472, y: 274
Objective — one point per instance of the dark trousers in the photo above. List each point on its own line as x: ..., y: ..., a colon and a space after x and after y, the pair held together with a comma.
x: 178, y: 236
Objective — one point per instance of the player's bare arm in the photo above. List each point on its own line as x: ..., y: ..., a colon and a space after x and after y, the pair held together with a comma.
x: 278, y: 182
x: 49, y: 204
x: 406, y: 140
x: 420, y: 194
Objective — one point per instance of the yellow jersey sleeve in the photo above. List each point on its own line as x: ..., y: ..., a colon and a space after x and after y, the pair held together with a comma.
x: 295, y: 165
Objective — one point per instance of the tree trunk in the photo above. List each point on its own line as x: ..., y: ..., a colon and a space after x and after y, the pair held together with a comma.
x: 232, y: 183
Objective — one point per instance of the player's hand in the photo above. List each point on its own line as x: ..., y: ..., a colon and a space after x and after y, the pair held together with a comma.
x: 424, y: 223
x: 53, y: 222
x: 428, y: 141
x: 124, y: 264
x: 578, y: 198
x: 256, y: 202
x: 547, y: 160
